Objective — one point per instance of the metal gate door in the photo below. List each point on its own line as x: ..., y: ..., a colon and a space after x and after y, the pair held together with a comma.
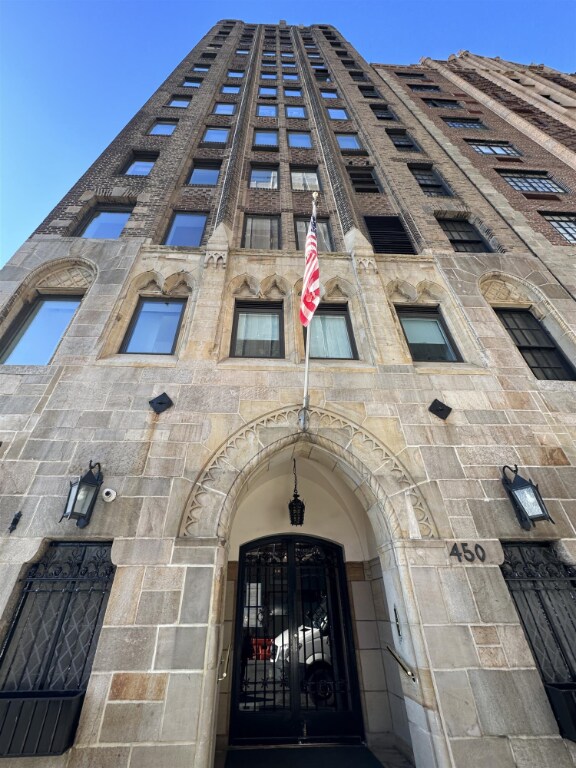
x: 544, y: 591
x: 294, y: 672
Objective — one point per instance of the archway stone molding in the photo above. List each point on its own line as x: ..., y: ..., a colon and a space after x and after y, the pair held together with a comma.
x: 388, y: 493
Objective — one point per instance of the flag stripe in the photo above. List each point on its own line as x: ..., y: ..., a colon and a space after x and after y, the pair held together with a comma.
x: 311, y: 283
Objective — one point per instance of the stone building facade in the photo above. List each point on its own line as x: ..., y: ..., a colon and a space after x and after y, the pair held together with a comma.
x: 447, y: 229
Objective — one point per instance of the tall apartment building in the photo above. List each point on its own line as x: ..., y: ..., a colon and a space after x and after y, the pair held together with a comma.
x: 149, y: 330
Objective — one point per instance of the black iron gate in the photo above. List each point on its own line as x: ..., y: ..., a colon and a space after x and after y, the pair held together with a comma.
x: 294, y: 673
x: 544, y: 591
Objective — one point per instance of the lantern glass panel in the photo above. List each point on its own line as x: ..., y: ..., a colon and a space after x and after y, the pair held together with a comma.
x: 528, y: 499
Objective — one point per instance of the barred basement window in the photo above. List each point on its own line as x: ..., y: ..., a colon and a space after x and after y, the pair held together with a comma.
x: 402, y: 140
x: 382, y: 112
x: 443, y: 103
x: 464, y: 236
x: 430, y: 181
x: 258, y: 329
x: 493, y: 147
x: 465, y: 122
x: 531, y: 181
x: 536, y: 345
x: 564, y: 223
x: 427, y: 335
x: 363, y: 180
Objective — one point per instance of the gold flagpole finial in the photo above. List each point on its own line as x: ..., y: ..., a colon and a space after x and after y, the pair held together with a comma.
x: 314, y: 196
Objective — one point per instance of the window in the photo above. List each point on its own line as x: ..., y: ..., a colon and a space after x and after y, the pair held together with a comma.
x: 181, y: 102
x: 402, y: 140
x: 298, y: 112
x: 321, y: 78
x: 357, y: 76
x: 465, y: 122
x: 288, y: 78
x: 141, y: 164
x: 369, y: 92
x: 531, y: 181
x: 564, y: 223
x: 186, y: 229
x: 493, y: 147
x: 287, y: 55
x: 443, y: 103
x: 106, y: 224
x: 242, y: 51
x: 268, y: 75
x: 323, y: 235
x: 38, y: 332
x: 331, y: 333
x: 535, y: 345
x: 419, y: 88
x: 329, y: 94
x: 348, y: 141
x: 192, y: 82
x: 388, y: 235
x: 337, y: 114
x: 221, y: 108
x: 292, y: 93
x: 304, y: 179
x: 430, y: 181
x: 382, y: 112
x: 163, y: 128
x: 200, y: 68
x: 204, y: 174
x: 238, y: 73
x: 464, y: 236
x: 301, y: 139
x: 265, y: 138
x: 262, y: 232
x: 230, y: 89
x: 258, y: 329
x: 363, y: 180
x: 154, y: 327
x: 411, y: 75
x: 215, y: 136
x: 427, y: 335
x: 266, y: 110
x: 264, y: 177
x: 288, y: 65
x: 269, y: 53
x: 265, y: 91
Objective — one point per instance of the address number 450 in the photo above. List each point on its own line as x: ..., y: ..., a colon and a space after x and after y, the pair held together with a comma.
x: 463, y: 551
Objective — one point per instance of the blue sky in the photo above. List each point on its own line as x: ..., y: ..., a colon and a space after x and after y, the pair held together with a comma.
x: 73, y: 72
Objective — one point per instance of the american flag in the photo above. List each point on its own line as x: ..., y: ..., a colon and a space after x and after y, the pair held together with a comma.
x: 311, y: 284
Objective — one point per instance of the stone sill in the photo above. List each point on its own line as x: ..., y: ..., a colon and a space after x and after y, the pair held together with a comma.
x: 453, y: 369
x: 139, y: 361
x: 268, y: 364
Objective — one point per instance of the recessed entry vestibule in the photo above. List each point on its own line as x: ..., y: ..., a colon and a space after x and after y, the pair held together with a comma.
x: 314, y: 594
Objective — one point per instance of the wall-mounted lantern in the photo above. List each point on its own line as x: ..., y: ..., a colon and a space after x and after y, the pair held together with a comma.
x: 82, y: 496
x: 525, y: 497
x: 296, y: 506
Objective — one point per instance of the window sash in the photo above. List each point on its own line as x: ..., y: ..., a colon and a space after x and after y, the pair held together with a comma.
x: 186, y: 229
x: 323, y: 235
x: 305, y: 181
x: 564, y: 224
x: 526, y: 182
x: 204, y: 176
x: 300, y: 139
x: 266, y: 138
x: 331, y: 334
x: 154, y: 327
x: 215, y: 136
x: 427, y: 337
x: 258, y: 331
x: 262, y: 232
x: 106, y: 225
x: 264, y: 178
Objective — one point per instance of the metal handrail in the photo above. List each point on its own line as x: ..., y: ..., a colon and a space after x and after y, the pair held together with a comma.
x: 226, y: 659
x: 405, y: 668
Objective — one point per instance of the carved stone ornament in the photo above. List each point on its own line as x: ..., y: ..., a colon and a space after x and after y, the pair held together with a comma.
x: 382, y: 478
x: 497, y: 291
x: 77, y: 277
x: 216, y: 259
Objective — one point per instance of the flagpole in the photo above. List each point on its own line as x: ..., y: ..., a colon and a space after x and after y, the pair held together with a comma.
x: 304, y: 412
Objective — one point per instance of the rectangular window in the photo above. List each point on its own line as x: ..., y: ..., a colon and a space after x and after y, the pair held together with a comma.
x: 200, y: 68
x: 106, y: 224
x: 382, y: 112
x: 266, y: 91
x: 431, y: 183
x: 357, y: 75
x: 215, y: 136
x: 411, y: 75
x: 258, y: 330
x: 337, y: 114
x: 443, y: 103
x: 465, y: 122
x: 287, y: 55
x: 296, y: 112
x: 163, y: 128
x: 269, y: 53
x: 266, y: 110
x: 531, y: 181
x: 186, y: 229
x: 493, y: 147
x: 242, y: 51
x: 192, y: 82
x: 364, y: 180
x: 292, y: 93
x: 304, y: 179
x: 464, y: 236
x: 268, y: 76
x: 301, y: 139
x: 427, y: 335
x: 290, y: 78
x: 329, y: 94
x: 369, y: 92
x: 236, y: 73
x: 388, y: 235
x: 141, y: 164
x: 181, y: 102
x: 265, y: 138
x: 154, y: 327
x: 204, y: 174
x: 230, y: 89
x: 323, y: 235
x: 264, y: 177
x: 331, y: 333
x: 422, y: 88
x: 262, y: 232
x: 535, y: 345
x: 38, y: 333
x: 348, y: 141
x: 222, y: 108
x: 288, y: 65
x: 563, y: 223
x: 402, y: 140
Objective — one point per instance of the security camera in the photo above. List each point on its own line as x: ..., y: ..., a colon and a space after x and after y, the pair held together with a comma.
x: 108, y: 495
